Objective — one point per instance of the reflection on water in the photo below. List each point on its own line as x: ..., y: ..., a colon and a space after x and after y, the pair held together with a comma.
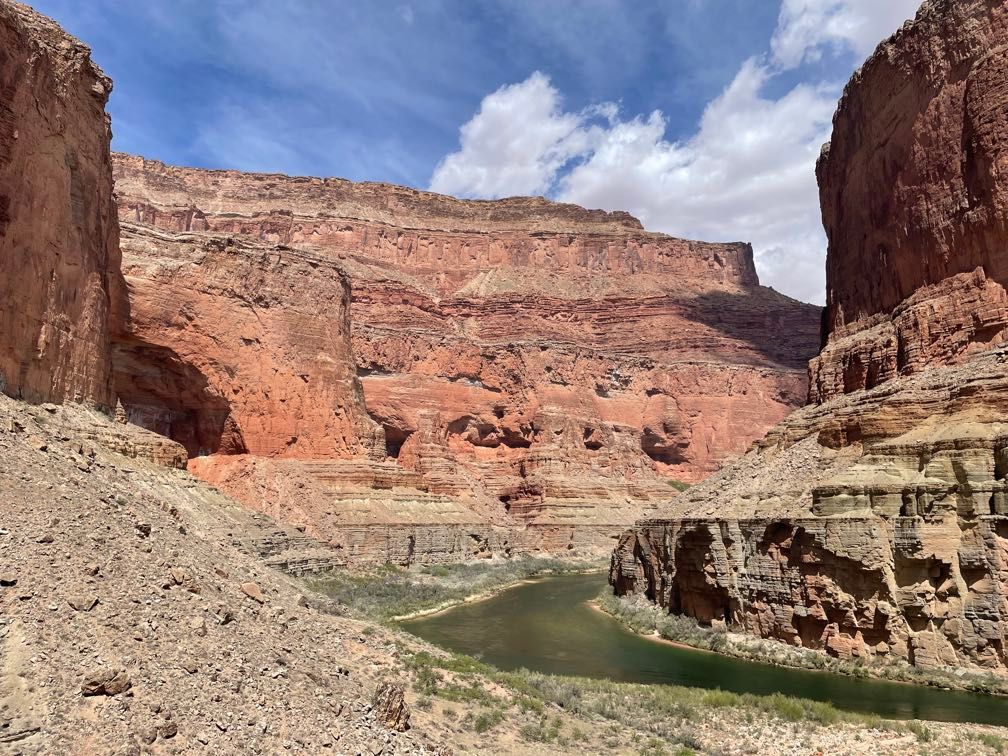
x: 547, y: 626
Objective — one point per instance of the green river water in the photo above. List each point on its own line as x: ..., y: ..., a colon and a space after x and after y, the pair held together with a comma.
x: 547, y: 626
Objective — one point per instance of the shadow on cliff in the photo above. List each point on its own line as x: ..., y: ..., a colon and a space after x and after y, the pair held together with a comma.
x: 162, y: 392
x: 782, y: 330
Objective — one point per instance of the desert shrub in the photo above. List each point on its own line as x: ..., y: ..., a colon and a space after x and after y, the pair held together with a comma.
x: 995, y: 742
x: 427, y: 680
x: 923, y: 733
x: 543, y: 731
x: 487, y: 720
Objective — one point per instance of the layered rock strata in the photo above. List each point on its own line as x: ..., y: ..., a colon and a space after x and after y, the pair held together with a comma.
x: 893, y: 546
x: 873, y: 523
x: 912, y: 191
x: 58, y: 233
x: 235, y: 347
x: 552, y: 370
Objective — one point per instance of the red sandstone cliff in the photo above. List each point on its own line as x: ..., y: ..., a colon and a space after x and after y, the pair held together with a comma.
x: 873, y: 523
x: 59, y: 252
x: 542, y: 366
x: 915, y: 203
x: 475, y: 321
x: 237, y: 348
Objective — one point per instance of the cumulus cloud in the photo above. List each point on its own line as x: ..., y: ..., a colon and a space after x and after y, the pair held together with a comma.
x: 806, y: 27
x: 515, y: 144
x: 747, y: 173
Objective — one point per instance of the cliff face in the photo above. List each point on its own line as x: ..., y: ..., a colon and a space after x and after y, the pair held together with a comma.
x: 235, y: 347
x: 873, y: 523
x: 550, y: 367
x: 58, y: 233
x: 504, y: 313
x: 913, y: 194
x: 895, y: 546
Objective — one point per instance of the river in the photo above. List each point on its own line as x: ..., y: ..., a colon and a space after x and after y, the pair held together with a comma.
x: 548, y: 626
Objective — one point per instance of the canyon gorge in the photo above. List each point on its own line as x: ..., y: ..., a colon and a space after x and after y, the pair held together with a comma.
x: 411, y: 377
x: 402, y: 375
x: 873, y: 523
x: 216, y: 387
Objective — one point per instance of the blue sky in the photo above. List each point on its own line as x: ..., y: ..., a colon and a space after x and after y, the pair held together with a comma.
x: 703, y: 117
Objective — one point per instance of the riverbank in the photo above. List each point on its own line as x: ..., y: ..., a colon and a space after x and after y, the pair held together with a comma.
x: 391, y: 594
x: 563, y: 712
x: 650, y: 621
x: 473, y: 704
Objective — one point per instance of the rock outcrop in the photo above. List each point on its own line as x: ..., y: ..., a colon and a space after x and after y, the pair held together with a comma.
x: 235, y: 347
x: 893, y: 546
x: 873, y: 523
x: 539, y: 374
x: 913, y: 194
x: 59, y: 254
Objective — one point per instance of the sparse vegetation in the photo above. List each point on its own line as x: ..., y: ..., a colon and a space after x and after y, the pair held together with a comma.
x: 644, y: 618
x: 663, y: 713
x: 543, y: 731
x: 552, y: 710
x: 924, y: 735
x: 386, y: 592
x: 996, y: 743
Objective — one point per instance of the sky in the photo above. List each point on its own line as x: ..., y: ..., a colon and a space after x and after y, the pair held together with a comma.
x: 703, y: 118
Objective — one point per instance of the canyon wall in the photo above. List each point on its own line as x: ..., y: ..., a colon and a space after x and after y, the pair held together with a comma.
x: 542, y: 369
x: 235, y: 347
x: 59, y: 255
x: 873, y: 523
x: 913, y: 193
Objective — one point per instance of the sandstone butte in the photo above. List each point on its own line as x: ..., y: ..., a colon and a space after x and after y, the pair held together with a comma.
x: 873, y: 523
x: 506, y: 376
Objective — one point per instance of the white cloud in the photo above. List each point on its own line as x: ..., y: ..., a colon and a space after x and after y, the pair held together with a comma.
x: 515, y: 144
x: 747, y: 173
x: 805, y: 27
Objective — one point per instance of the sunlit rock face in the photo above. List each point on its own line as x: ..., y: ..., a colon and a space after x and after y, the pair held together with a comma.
x: 59, y: 256
x: 873, y: 522
x: 236, y: 347
x: 915, y: 202
x: 550, y: 369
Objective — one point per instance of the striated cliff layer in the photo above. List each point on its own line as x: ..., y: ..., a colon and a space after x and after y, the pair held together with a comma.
x: 895, y: 546
x: 873, y: 523
x: 58, y: 233
x: 550, y: 369
x: 239, y: 347
x: 913, y: 193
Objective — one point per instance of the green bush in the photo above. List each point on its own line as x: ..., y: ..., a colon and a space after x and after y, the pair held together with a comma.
x: 542, y: 731
x: 924, y: 735
x: 487, y: 720
x: 994, y: 742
